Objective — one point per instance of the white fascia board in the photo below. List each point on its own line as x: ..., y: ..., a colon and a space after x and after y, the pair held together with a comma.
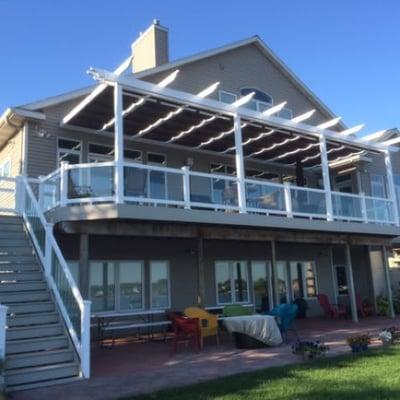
x: 147, y: 88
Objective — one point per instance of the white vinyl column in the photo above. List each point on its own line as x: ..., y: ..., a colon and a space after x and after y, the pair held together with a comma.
x: 118, y: 145
x: 325, y: 177
x: 391, y: 187
x: 240, y: 172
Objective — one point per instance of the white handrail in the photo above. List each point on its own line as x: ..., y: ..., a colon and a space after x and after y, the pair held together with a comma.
x: 265, y: 183
x: 153, y: 168
x: 45, y: 255
x: 49, y: 176
x: 213, y: 176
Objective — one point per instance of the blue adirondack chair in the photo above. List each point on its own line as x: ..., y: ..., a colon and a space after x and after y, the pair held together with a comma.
x: 286, y: 314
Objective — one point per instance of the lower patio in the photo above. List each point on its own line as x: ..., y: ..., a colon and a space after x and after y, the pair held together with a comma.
x: 135, y: 367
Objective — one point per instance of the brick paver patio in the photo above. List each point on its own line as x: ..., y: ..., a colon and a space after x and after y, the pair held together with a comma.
x: 141, y: 367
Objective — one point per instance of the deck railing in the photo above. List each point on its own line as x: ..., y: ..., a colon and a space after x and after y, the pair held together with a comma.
x: 75, y: 310
x: 181, y: 187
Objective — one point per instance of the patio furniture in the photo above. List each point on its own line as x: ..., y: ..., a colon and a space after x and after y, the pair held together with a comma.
x: 208, y: 323
x: 286, y: 315
x: 362, y: 308
x: 235, y: 310
x: 249, y: 330
x: 112, y: 322
x: 185, y: 330
x: 331, y: 310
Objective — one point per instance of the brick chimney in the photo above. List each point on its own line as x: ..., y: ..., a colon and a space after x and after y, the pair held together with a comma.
x: 150, y: 49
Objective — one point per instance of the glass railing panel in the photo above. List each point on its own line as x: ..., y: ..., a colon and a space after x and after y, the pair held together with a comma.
x: 216, y: 190
x: 347, y: 206
x: 95, y: 182
x: 50, y: 192
x: 265, y: 196
x: 307, y: 201
x: 149, y: 183
x: 66, y: 293
x: 379, y: 210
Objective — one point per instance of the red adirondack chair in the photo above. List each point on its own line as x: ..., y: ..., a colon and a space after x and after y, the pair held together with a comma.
x: 331, y: 310
x: 185, y: 329
x: 363, y: 309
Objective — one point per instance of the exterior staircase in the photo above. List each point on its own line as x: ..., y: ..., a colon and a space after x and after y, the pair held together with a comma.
x: 39, y: 351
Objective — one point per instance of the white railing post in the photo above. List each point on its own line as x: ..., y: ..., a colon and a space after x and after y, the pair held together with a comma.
x: 3, y: 330
x: 288, y: 200
x: 118, y: 145
x: 391, y: 187
x: 325, y: 177
x: 85, y: 339
x: 240, y: 172
x: 47, y: 249
x: 41, y: 192
x: 364, y: 207
x: 186, y: 187
x: 19, y: 195
x: 63, y: 183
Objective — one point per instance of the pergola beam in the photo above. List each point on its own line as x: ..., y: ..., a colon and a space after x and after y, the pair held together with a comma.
x: 352, y: 131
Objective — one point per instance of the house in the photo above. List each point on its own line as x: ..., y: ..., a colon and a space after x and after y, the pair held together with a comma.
x: 215, y: 179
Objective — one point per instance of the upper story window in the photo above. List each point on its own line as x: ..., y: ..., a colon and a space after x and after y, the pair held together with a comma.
x: 285, y: 113
x: 5, y: 168
x: 101, y: 153
x: 378, y: 188
x: 227, y: 97
x: 69, y: 150
x: 260, y: 102
x: 156, y: 159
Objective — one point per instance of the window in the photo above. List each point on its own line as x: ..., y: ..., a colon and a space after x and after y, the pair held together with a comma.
x: 231, y: 282
x: 159, y: 283
x: 260, y: 101
x: 378, y: 186
x: 69, y: 150
x: 222, y: 189
x: 130, y: 284
x: 341, y: 280
x: 102, y: 285
x: 303, y: 281
x: 282, y: 279
x: 260, y: 274
x: 101, y: 153
x: 5, y: 168
x: 285, y: 113
x: 227, y: 97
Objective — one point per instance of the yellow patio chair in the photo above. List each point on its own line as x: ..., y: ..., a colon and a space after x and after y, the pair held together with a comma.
x: 208, y: 323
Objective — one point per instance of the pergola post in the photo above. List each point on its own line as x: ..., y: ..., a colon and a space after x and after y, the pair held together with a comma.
x: 201, y: 271
x: 83, y: 271
x: 392, y: 313
x: 274, y: 276
x: 352, y: 294
x: 391, y: 187
x: 325, y: 177
x: 118, y: 145
x: 240, y: 172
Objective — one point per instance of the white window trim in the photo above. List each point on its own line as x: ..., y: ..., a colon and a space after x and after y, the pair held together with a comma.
x: 168, y: 285
x: 314, y: 266
x: 231, y: 277
x: 258, y: 102
x: 2, y: 167
x: 227, y: 93
x: 105, y: 157
x: 382, y: 181
x: 72, y: 151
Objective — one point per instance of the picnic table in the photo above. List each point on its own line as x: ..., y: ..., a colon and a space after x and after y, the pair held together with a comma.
x: 117, y: 321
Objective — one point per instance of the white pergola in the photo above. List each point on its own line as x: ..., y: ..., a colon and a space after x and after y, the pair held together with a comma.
x: 180, y: 119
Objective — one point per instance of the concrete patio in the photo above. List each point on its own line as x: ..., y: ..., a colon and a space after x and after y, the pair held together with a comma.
x: 141, y: 367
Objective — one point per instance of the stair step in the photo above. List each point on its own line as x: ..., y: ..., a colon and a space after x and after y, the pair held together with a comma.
x: 9, y: 251
x: 6, y: 287
x: 23, y: 297
x: 15, y: 267
x: 32, y: 319
x: 30, y: 332
x: 21, y: 276
x: 37, y: 345
x: 37, y: 359
x: 12, y: 234
x: 17, y: 259
x: 37, y: 385
x: 30, y: 308
x: 6, y: 243
x: 13, y: 220
x: 40, y: 374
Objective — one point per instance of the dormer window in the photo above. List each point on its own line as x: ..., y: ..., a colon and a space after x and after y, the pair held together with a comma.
x: 261, y: 101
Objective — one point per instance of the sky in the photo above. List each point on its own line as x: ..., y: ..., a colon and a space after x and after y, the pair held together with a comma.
x: 346, y: 51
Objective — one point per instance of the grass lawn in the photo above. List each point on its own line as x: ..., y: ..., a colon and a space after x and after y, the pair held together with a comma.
x: 375, y: 375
